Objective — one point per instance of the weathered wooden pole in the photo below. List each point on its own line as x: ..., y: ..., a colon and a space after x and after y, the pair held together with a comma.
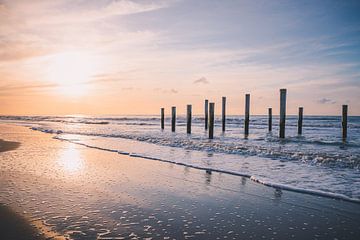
x: 162, y: 118
x: 247, y: 113
x: 206, y: 113
x: 344, y: 121
x: 282, y: 113
x: 173, y: 118
x: 188, y: 119
x: 300, y: 120
x: 211, y: 120
x: 270, y: 119
x: 223, y: 113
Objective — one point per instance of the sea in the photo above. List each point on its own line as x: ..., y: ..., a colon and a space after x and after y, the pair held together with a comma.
x: 317, y: 162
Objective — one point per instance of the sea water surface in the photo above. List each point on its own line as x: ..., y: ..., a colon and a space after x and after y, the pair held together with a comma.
x: 317, y: 162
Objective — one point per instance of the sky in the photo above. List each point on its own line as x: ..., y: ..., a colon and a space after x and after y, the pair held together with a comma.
x: 134, y: 57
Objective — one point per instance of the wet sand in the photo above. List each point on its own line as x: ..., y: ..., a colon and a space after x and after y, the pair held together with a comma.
x: 86, y: 193
x: 14, y: 226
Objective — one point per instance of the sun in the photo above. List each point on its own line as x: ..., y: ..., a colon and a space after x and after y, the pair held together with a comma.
x: 71, y: 72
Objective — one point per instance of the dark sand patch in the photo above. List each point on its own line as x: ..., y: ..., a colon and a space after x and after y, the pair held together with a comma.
x: 8, y: 146
x: 16, y: 227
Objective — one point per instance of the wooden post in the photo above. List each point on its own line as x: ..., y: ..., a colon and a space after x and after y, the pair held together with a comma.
x: 162, y: 118
x: 270, y: 119
x: 300, y: 120
x: 211, y: 120
x: 173, y: 118
x: 206, y: 113
x: 223, y: 113
x: 247, y: 113
x: 188, y: 119
x: 282, y: 113
x: 344, y: 121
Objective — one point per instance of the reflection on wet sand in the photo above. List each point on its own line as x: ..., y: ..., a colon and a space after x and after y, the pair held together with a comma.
x: 277, y: 195
x: 70, y: 159
x: 243, y: 181
x: 208, y: 177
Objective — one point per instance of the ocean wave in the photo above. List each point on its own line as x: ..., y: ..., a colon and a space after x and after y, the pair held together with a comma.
x: 344, y: 160
x: 309, y: 123
x: 304, y: 190
x: 223, y: 171
x: 302, y: 140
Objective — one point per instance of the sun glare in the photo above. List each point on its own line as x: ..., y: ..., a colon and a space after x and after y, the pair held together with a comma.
x: 71, y: 72
x: 70, y: 160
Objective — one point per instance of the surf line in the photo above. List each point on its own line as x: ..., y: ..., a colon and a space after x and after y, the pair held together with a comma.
x: 210, y: 170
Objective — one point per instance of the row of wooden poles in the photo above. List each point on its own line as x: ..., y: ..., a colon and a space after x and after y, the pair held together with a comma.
x: 210, y: 113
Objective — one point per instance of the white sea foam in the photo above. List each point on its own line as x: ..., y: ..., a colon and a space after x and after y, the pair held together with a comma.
x: 241, y: 174
x: 304, y: 190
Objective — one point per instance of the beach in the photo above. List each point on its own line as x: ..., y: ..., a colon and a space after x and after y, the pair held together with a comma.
x: 135, y: 119
x: 81, y: 193
x: 8, y: 146
x: 14, y: 226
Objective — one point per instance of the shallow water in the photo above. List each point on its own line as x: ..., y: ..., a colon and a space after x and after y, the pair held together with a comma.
x: 317, y: 161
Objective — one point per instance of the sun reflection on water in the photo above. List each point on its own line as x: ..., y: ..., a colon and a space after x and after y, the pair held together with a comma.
x: 70, y: 160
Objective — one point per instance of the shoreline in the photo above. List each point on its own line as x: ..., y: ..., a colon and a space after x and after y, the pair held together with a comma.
x: 83, y: 191
x: 253, y: 178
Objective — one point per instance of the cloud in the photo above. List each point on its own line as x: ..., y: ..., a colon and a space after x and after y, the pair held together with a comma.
x: 35, y: 28
x: 25, y: 87
x: 128, y: 89
x: 60, y: 11
x: 326, y: 101
x: 172, y: 90
x: 103, y: 78
x: 100, y: 78
x: 18, y: 50
x: 118, y: 76
x: 96, y: 12
x: 129, y: 7
x: 201, y: 80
